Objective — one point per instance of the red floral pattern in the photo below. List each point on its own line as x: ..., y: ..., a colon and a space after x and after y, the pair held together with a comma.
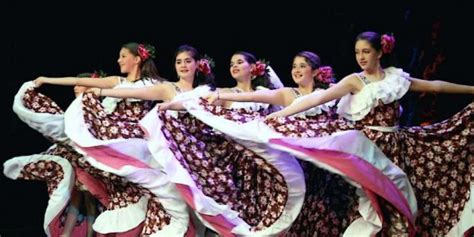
x: 226, y: 171
x: 330, y: 203
x: 239, y: 115
x: 156, y: 217
x: 122, y: 123
x: 121, y: 192
x: 44, y: 170
x: 436, y: 159
x: 39, y: 103
x: 440, y: 166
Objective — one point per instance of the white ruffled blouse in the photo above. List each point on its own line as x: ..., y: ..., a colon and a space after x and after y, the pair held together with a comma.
x: 355, y: 107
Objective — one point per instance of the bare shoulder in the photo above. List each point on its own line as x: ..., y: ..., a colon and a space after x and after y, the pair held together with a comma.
x: 166, y: 84
x: 285, y: 90
x: 351, y: 78
x: 107, y: 82
x: 166, y: 90
x: 279, y: 92
x: 288, y: 94
x: 352, y: 81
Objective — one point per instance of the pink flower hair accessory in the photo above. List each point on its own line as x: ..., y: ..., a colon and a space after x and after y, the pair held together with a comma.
x: 388, y: 43
x: 325, y: 74
x: 95, y: 74
x: 260, y: 68
x: 98, y: 74
x: 146, y: 51
x: 205, y: 65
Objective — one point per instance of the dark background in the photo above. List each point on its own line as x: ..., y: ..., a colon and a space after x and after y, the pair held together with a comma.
x: 67, y: 38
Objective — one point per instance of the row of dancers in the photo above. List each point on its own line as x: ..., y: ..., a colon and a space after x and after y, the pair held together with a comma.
x: 257, y: 159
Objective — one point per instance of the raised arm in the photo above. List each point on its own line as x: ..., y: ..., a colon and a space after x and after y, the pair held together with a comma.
x: 274, y: 97
x: 439, y: 87
x: 106, y: 82
x: 344, y: 87
x: 156, y: 92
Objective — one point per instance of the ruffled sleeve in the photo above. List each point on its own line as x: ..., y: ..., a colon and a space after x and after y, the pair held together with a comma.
x: 392, y: 88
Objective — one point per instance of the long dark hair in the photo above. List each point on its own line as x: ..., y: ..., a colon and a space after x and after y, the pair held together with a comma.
x: 200, y: 79
x: 375, y: 40
x: 147, y: 67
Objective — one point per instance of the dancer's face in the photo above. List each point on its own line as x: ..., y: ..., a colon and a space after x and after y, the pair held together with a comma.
x: 127, y: 61
x: 301, y: 71
x: 367, y: 57
x: 239, y: 67
x: 185, y: 65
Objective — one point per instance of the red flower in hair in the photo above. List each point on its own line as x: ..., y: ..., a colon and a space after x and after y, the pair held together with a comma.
x: 204, y: 66
x: 388, y: 43
x: 143, y: 52
x: 98, y: 74
x: 325, y: 74
x: 260, y: 69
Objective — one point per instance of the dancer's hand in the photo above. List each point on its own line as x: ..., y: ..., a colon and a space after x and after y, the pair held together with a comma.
x: 212, y: 97
x: 39, y: 81
x: 272, y: 115
x: 164, y: 106
x: 95, y: 91
x: 172, y: 105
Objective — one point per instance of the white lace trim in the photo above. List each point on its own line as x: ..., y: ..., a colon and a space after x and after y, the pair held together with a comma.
x: 393, y: 87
